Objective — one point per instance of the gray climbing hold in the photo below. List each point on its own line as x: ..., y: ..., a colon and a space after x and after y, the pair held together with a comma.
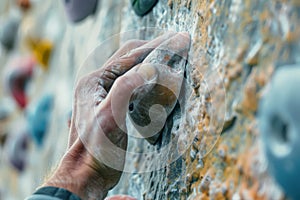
x: 279, y: 116
x: 8, y: 32
x: 77, y: 10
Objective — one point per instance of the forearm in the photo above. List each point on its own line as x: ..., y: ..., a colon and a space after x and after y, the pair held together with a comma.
x: 84, y: 192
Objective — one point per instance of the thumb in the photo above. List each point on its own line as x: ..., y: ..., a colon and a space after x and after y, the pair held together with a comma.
x: 122, y: 90
x: 108, y: 140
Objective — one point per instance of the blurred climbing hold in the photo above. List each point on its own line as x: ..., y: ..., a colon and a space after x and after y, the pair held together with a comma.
x: 279, y: 117
x: 149, y: 112
x: 78, y: 10
x: 4, y: 113
x: 3, y: 138
x: 41, y: 49
x: 142, y: 7
x: 24, y: 4
x: 17, y: 150
x: 36, y: 36
x: 8, y: 31
x: 20, y: 72
x: 39, y: 119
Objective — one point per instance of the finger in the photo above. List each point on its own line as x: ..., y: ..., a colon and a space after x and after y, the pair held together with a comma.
x: 88, y: 83
x: 144, y: 50
x: 118, y: 66
x: 120, y: 197
x: 127, y: 47
x: 173, y: 52
x: 88, y: 95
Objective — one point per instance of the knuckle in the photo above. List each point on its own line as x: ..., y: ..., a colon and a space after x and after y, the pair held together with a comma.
x: 121, y: 81
x: 112, y: 71
x: 125, y: 83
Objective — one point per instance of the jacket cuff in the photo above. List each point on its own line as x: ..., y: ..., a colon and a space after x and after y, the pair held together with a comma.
x: 53, y: 193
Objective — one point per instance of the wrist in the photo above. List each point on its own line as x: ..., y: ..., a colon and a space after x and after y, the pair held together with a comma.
x: 85, y: 189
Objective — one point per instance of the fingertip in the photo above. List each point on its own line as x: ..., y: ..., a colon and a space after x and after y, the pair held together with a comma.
x: 147, y: 71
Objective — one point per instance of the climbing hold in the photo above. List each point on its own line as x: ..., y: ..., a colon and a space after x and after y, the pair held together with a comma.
x: 20, y: 73
x: 149, y: 111
x: 38, y: 42
x: 9, y: 31
x: 17, y: 150
x: 279, y: 116
x: 3, y: 138
x: 142, y: 7
x: 39, y: 119
x: 78, y: 10
x: 41, y: 49
x: 4, y: 112
x: 24, y: 4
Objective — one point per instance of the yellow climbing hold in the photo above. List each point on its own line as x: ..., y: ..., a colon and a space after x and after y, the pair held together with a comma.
x: 42, y: 49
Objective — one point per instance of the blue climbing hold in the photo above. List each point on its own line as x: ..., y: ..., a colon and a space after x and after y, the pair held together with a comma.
x: 279, y: 117
x: 39, y: 119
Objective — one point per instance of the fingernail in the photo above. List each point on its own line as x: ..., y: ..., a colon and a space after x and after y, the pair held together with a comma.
x: 147, y: 71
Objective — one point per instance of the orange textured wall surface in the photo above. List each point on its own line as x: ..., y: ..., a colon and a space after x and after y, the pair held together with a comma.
x: 236, y: 46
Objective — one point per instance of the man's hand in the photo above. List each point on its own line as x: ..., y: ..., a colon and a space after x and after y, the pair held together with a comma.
x: 93, y: 121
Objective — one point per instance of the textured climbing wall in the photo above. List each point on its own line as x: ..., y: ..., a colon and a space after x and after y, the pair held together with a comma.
x: 236, y: 45
x: 239, y: 43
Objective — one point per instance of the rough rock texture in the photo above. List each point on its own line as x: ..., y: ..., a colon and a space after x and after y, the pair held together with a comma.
x: 242, y: 42
x: 236, y: 45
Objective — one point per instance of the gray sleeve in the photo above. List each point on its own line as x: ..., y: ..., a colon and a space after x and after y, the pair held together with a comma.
x: 41, y: 197
x: 52, y: 193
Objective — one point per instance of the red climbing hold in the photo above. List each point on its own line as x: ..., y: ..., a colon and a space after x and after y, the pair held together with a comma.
x: 20, y: 72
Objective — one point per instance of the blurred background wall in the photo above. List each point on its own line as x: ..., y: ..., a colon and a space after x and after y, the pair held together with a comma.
x: 239, y: 42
